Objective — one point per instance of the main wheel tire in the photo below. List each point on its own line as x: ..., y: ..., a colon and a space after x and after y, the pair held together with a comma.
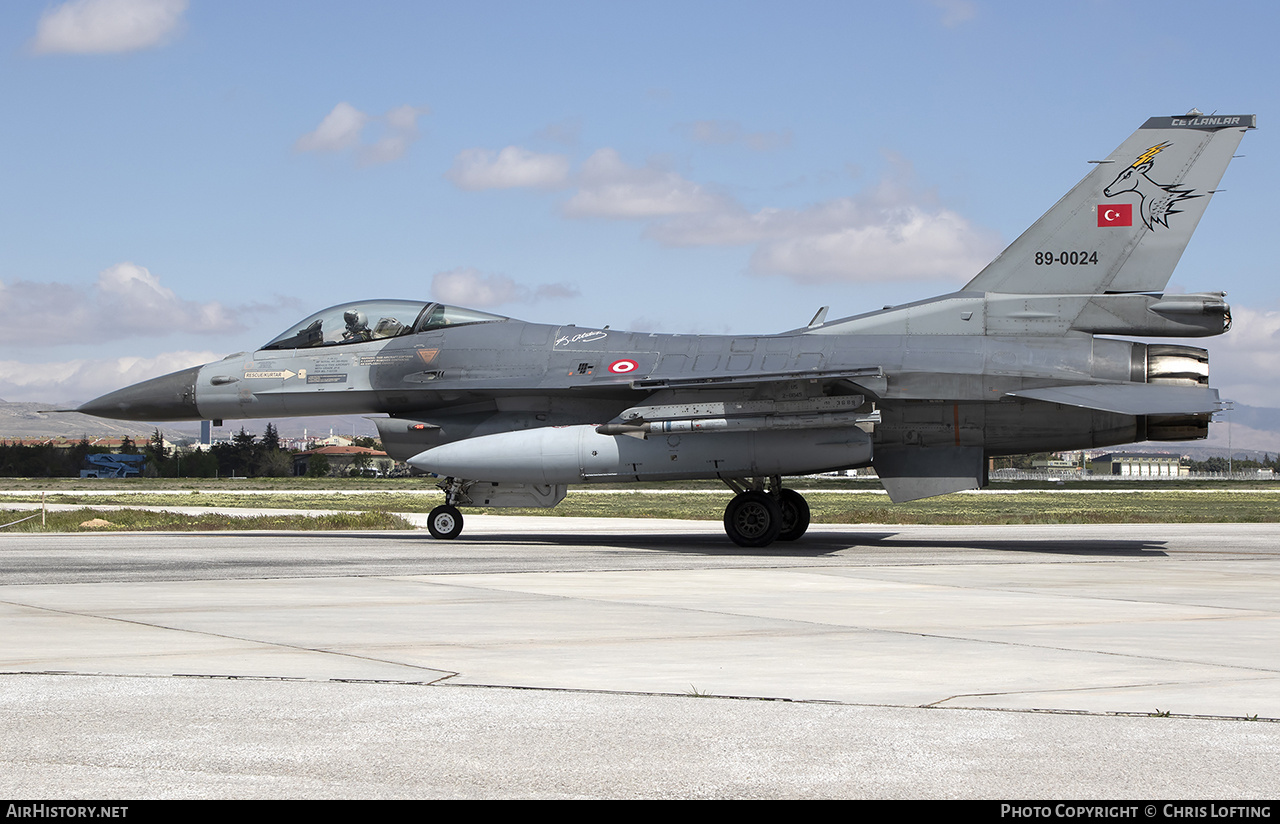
x: 753, y: 519
x: 795, y: 515
x: 445, y: 522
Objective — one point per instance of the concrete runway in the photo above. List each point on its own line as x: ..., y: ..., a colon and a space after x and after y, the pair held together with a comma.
x: 562, y: 657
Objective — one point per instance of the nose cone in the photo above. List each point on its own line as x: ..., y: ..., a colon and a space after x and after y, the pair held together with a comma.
x: 167, y: 398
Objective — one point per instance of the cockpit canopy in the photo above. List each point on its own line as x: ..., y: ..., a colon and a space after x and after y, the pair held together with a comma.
x: 374, y: 320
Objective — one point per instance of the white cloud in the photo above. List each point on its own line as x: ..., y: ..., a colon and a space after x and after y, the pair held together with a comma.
x: 125, y: 301
x: 1245, y: 361
x: 610, y: 188
x: 766, y: 141
x: 84, y: 379
x: 405, y: 118
x: 344, y: 128
x: 955, y: 12
x: 727, y: 132
x: 887, y: 233
x: 511, y: 168
x: 107, y: 26
x: 565, y: 132
x: 554, y: 291
x: 401, y: 124
x: 339, y: 130
x: 906, y: 244
x: 386, y: 149
x: 472, y: 288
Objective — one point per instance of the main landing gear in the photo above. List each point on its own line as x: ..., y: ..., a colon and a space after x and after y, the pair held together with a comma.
x: 760, y: 513
x: 757, y: 516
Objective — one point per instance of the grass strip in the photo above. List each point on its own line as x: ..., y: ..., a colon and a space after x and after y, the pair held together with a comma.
x: 1039, y: 507
x: 136, y: 520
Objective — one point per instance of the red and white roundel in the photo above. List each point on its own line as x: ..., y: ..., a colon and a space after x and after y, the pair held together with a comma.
x: 622, y: 367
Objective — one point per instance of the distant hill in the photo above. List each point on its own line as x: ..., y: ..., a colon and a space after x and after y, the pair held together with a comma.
x: 1246, y: 431
x: 1256, y: 417
x: 25, y: 420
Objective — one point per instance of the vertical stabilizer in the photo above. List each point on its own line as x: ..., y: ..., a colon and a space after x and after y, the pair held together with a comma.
x: 1124, y: 227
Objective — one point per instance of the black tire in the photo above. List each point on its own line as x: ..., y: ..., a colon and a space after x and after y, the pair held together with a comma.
x: 753, y: 519
x: 445, y: 522
x: 795, y: 515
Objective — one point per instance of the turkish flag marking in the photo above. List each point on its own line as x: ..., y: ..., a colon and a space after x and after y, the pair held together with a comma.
x: 622, y: 367
x: 1115, y: 214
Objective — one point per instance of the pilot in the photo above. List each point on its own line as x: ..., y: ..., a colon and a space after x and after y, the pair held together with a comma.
x: 357, y: 325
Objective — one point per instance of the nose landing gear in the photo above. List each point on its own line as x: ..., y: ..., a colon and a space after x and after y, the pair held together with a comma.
x: 445, y: 521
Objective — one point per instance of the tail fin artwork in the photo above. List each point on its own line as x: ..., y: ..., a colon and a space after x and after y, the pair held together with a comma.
x: 1124, y: 227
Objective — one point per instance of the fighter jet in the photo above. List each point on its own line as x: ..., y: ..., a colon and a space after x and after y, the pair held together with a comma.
x: 1023, y: 359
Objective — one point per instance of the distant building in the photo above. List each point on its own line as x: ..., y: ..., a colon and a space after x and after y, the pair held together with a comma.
x: 59, y: 442
x: 1139, y: 465
x: 1057, y: 465
x: 342, y: 458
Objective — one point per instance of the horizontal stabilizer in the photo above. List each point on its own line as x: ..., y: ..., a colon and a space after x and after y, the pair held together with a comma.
x: 1131, y: 398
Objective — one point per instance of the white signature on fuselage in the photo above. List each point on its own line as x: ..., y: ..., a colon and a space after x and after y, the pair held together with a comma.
x: 581, y: 337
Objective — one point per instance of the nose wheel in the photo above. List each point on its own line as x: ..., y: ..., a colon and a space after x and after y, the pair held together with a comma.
x: 445, y: 522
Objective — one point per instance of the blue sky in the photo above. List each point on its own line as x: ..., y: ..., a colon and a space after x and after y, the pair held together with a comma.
x: 185, y: 178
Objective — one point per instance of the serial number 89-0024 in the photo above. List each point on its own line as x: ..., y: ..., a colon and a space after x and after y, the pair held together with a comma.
x: 1066, y: 258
